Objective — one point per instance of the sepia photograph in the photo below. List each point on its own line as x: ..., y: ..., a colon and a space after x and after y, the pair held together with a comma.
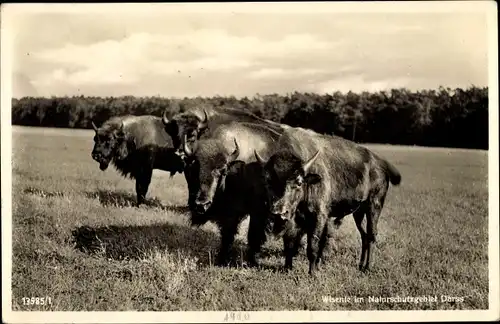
x: 249, y: 162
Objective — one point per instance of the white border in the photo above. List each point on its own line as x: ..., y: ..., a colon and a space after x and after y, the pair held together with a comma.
x: 493, y: 179
x: 6, y: 165
x: 260, y: 7
x: 8, y: 12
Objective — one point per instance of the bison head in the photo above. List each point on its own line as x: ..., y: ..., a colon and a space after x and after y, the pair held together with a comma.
x: 185, y: 129
x: 285, y: 179
x: 205, y: 173
x: 109, y: 142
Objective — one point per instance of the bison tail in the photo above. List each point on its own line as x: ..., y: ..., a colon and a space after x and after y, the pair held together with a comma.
x: 394, y: 175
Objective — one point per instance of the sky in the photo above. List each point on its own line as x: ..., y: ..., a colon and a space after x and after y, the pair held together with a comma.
x: 177, y: 54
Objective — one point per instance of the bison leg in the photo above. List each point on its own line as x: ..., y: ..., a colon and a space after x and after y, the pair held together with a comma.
x: 329, y: 243
x: 228, y: 232
x: 142, y: 184
x: 256, y: 236
x: 291, y: 248
x: 358, y: 218
x: 372, y: 216
x: 324, y: 242
x: 314, y: 234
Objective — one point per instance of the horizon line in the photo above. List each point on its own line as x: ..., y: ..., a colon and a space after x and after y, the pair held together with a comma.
x: 447, y: 88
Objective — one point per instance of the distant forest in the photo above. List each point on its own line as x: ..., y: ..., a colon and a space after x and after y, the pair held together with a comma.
x: 444, y: 117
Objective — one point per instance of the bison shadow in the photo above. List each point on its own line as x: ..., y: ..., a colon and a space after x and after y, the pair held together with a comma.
x: 136, y: 242
x: 126, y: 199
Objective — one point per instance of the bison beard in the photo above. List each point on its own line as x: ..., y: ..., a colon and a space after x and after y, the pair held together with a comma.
x: 103, y: 165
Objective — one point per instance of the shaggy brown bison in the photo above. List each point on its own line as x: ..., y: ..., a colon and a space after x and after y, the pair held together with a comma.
x: 135, y: 145
x: 311, y: 177
x: 222, y: 187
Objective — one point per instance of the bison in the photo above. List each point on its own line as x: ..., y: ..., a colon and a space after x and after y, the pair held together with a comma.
x: 238, y: 196
x: 187, y: 127
x: 135, y: 145
x: 311, y: 177
x: 222, y: 186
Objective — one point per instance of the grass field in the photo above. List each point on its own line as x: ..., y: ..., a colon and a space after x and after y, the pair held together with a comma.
x: 78, y: 239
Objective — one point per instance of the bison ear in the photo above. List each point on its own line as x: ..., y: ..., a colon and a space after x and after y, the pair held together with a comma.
x: 312, y: 178
x: 234, y: 165
x: 124, y: 148
x: 171, y: 129
x: 168, y: 125
x: 122, y: 151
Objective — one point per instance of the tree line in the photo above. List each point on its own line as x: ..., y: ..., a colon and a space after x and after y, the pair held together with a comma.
x: 444, y: 117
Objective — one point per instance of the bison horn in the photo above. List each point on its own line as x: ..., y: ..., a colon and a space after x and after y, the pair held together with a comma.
x: 308, y: 164
x: 187, y: 150
x: 121, y: 133
x: 164, y: 119
x: 236, y: 152
x: 94, y: 126
x: 259, y: 158
x: 204, y: 123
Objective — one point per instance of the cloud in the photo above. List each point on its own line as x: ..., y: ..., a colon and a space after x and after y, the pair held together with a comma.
x: 142, y: 54
x: 243, y: 54
x: 277, y: 73
x: 213, y: 63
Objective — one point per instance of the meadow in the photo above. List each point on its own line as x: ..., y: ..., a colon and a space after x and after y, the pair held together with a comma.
x: 78, y: 239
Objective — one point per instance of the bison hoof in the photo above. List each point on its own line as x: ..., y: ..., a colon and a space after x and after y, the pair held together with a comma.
x: 313, y: 269
x: 313, y: 274
x: 364, y: 269
x: 319, y: 263
x: 140, y: 203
